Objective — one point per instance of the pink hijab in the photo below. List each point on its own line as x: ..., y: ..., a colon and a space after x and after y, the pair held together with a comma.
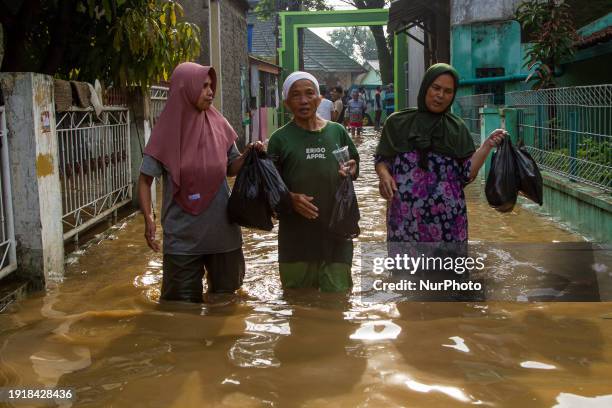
x: 190, y: 143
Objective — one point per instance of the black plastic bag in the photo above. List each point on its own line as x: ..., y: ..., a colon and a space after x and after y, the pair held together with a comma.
x: 503, y: 180
x: 277, y: 192
x: 344, y: 222
x: 531, y: 184
x: 248, y: 204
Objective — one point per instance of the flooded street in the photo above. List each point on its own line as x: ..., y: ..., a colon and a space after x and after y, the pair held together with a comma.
x: 103, y: 333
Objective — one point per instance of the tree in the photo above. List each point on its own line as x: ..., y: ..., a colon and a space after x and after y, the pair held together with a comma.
x: 348, y: 39
x: 552, y: 33
x: 384, y: 44
x: 267, y: 8
x: 123, y: 42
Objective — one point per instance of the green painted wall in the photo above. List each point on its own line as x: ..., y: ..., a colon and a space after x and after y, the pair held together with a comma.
x: 584, y: 208
x: 290, y: 21
x: 272, y: 114
x: 490, y: 45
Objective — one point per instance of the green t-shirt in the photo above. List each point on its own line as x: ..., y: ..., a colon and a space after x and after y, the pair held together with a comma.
x: 307, y: 165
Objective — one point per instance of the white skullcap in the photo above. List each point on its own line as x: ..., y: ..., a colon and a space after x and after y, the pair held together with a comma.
x: 296, y: 76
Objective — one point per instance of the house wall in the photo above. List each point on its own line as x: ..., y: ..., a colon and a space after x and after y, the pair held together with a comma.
x: 196, y: 11
x: 234, y: 58
x: 331, y: 79
x: 230, y: 34
x: 488, y: 45
x: 479, y: 11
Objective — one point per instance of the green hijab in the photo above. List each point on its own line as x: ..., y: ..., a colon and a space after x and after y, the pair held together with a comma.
x: 419, y: 129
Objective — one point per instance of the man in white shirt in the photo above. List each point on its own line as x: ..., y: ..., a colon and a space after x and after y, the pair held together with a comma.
x: 326, y: 107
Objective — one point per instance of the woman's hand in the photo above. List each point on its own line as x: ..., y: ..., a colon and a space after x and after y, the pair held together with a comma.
x: 480, y: 156
x: 302, y: 205
x: 496, y: 137
x: 236, y: 165
x: 387, y: 186
x: 258, y: 146
x: 351, y: 166
x: 150, y: 234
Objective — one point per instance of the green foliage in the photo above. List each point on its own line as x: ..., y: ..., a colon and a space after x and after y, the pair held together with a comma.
x: 267, y: 8
x: 123, y: 42
x: 351, y: 39
x: 592, y: 151
x: 552, y: 34
x: 150, y: 42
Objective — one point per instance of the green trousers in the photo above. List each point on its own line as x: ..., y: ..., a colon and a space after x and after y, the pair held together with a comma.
x: 327, y: 277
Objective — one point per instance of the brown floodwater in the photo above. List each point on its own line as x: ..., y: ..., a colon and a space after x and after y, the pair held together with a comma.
x: 102, y: 332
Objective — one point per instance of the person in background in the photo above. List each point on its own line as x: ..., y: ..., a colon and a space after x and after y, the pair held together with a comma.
x: 389, y: 100
x: 377, y: 108
x: 193, y: 148
x: 309, y: 254
x: 355, y: 109
x: 338, y: 113
x: 362, y: 94
x: 345, y: 100
x: 326, y: 107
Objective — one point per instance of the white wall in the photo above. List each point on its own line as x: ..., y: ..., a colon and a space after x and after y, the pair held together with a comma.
x: 416, y: 65
x: 473, y: 11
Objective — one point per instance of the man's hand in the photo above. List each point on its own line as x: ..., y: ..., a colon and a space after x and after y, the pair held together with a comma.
x: 150, y: 234
x: 302, y: 205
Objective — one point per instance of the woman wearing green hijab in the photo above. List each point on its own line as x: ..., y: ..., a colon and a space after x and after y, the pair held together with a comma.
x: 424, y: 159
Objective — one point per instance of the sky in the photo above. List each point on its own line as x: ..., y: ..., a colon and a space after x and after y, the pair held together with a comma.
x: 323, y: 32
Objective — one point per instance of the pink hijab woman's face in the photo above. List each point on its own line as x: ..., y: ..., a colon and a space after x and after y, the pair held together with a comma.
x: 206, y: 95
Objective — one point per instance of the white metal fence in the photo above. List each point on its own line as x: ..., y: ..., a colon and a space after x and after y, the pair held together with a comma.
x: 159, y: 96
x: 95, y: 170
x: 568, y: 131
x: 468, y: 107
x: 8, y: 259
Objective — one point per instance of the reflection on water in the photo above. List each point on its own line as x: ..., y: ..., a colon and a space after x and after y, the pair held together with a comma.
x: 102, y: 333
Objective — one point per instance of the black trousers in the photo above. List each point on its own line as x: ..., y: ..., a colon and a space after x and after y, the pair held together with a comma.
x: 183, y: 274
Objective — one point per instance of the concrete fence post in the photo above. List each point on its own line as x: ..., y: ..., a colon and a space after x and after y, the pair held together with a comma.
x: 509, y: 119
x: 37, y: 196
x: 490, y: 120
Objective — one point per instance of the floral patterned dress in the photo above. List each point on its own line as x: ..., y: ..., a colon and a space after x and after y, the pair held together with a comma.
x: 429, y: 206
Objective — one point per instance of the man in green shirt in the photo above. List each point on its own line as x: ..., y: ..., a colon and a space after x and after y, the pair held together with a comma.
x: 309, y: 255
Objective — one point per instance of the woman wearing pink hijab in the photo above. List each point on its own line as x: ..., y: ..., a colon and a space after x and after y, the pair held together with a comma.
x: 193, y: 148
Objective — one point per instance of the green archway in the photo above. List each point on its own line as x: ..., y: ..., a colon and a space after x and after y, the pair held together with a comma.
x: 290, y: 21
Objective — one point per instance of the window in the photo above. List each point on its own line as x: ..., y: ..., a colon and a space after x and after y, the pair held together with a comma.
x: 498, y: 89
